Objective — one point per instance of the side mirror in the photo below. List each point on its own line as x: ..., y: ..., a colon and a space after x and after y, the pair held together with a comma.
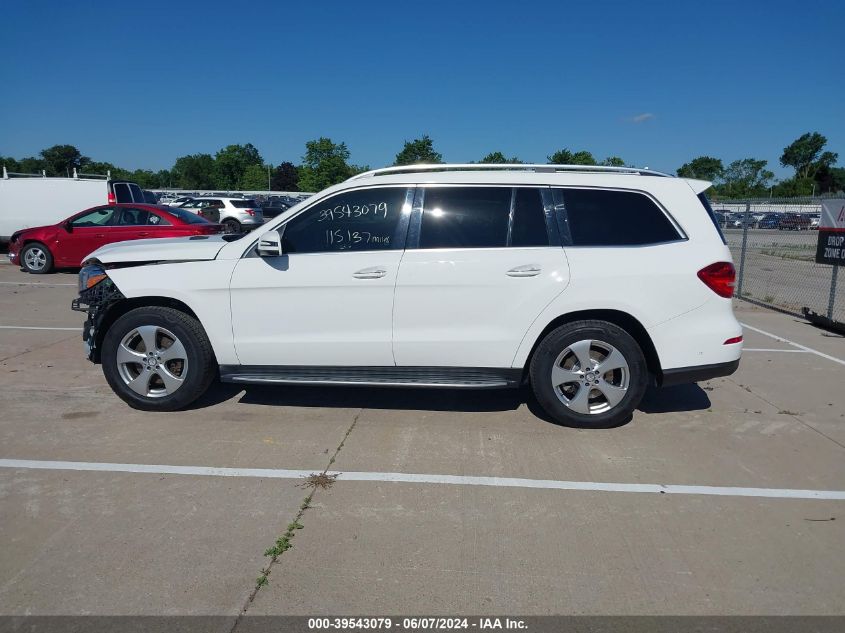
x: 270, y: 244
x: 68, y: 226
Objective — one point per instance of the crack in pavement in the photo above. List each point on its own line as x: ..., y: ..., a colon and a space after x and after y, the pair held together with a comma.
x: 35, y: 349
x: 282, y: 543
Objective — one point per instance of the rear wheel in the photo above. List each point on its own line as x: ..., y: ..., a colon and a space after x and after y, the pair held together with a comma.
x: 36, y: 258
x: 158, y: 359
x: 589, y: 374
x: 231, y: 226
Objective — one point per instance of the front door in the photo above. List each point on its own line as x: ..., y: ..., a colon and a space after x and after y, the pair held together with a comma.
x: 87, y: 232
x: 328, y: 301
x: 482, y: 267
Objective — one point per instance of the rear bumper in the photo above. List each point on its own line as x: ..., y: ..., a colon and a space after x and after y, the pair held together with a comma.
x: 685, y: 375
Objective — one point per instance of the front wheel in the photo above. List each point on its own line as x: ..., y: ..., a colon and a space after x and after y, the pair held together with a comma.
x: 158, y: 359
x: 36, y: 258
x: 589, y: 374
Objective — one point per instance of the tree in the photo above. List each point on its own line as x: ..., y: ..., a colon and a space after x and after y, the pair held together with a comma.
x: 31, y: 165
x: 613, y: 161
x: 10, y: 164
x: 194, y: 172
x: 418, y: 151
x: 499, y: 158
x: 323, y: 165
x: 566, y: 157
x: 285, y: 178
x: 61, y: 160
x: 255, y: 178
x: 145, y: 178
x: 805, y: 155
x: 100, y: 168
x: 830, y: 179
x: 231, y: 163
x: 792, y: 187
x: 746, y: 178
x: 703, y: 168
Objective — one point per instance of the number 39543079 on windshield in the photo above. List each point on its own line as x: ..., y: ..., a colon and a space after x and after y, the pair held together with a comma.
x: 346, y: 211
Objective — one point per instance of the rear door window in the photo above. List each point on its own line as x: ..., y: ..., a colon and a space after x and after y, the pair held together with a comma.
x: 465, y: 217
x: 605, y: 217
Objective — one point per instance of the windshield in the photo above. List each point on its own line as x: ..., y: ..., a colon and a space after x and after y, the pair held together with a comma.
x: 187, y: 216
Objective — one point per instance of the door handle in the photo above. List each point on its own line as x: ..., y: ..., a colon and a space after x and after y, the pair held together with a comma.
x: 374, y: 272
x: 143, y: 234
x: 99, y: 235
x: 528, y: 270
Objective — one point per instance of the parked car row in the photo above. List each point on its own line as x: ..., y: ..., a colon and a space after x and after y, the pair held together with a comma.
x: 783, y: 221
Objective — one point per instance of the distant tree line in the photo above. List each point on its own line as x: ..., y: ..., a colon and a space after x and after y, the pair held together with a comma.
x: 325, y: 163
x: 815, y: 172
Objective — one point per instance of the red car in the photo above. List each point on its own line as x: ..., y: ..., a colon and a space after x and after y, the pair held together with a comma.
x: 64, y: 245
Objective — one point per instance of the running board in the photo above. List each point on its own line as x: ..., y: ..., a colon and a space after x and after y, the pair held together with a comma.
x: 437, y: 377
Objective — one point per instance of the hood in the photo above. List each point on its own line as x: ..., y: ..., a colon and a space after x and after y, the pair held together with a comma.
x: 35, y: 229
x: 196, y: 248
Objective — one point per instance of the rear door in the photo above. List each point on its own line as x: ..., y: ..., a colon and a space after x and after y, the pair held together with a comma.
x: 136, y: 224
x: 481, y: 264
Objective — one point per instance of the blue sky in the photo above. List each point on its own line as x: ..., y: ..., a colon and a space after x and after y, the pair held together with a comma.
x: 657, y: 83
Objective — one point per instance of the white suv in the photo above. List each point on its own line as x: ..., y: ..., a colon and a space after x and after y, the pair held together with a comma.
x: 235, y: 214
x: 587, y: 283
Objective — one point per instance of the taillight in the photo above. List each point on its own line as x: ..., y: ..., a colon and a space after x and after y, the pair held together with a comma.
x: 249, y: 211
x: 112, y: 199
x: 733, y: 341
x: 720, y: 278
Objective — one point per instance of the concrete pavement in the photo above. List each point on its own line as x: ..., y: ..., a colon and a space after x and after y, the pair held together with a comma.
x: 128, y: 543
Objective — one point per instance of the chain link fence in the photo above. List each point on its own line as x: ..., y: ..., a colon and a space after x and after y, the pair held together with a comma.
x: 773, y: 243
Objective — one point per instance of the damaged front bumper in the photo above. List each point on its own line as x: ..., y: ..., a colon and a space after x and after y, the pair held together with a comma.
x: 95, y: 301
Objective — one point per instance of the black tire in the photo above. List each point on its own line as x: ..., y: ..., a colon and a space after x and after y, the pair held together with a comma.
x: 45, y: 255
x: 201, y: 362
x: 231, y: 226
x: 559, y: 340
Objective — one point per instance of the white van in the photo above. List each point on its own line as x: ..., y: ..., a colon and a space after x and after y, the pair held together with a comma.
x: 28, y: 201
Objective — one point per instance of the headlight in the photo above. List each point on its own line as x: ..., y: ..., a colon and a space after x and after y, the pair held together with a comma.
x: 91, y: 275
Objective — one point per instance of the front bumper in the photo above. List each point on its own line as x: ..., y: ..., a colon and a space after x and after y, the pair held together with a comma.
x: 14, y: 258
x: 95, y: 302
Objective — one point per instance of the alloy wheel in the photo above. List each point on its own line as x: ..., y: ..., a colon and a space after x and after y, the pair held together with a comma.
x: 152, y: 361
x: 590, y: 377
x: 35, y: 258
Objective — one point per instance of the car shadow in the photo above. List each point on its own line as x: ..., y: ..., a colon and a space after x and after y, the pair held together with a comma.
x: 675, y: 399
x: 666, y: 400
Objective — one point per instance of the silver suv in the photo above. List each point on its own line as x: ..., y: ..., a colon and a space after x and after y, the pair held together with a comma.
x: 235, y: 214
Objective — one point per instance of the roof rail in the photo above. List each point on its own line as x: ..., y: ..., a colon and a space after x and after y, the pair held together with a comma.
x: 508, y: 167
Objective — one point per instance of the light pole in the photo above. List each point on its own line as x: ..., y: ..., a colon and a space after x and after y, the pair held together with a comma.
x: 268, y: 177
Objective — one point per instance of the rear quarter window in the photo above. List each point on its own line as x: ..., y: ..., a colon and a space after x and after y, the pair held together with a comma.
x: 706, y: 204
x: 603, y: 217
x: 244, y: 204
